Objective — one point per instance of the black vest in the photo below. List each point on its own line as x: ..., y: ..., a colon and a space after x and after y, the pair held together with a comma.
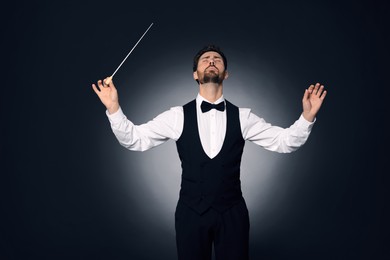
x: 210, y: 182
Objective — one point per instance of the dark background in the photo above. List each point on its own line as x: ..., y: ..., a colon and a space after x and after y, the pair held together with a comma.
x: 69, y: 191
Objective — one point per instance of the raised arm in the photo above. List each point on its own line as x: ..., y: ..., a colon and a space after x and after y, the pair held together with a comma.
x: 167, y: 125
x: 284, y: 140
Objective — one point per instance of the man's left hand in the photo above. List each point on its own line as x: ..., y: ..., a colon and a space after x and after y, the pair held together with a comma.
x: 312, y: 101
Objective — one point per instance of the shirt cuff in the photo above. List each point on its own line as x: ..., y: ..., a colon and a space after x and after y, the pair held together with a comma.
x: 302, y: 122
x: 116, y: 117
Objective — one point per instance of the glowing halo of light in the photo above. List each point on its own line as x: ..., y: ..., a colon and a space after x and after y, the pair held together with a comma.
x: 156, y: 173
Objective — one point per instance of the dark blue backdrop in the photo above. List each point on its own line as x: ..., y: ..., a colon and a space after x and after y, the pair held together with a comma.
x: 69, y: 191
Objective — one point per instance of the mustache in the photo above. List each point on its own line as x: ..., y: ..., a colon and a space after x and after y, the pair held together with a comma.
x: 211, y: 66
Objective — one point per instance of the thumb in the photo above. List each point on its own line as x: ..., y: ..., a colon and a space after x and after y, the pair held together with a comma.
x: 108, y: 81
x: 111, y: 83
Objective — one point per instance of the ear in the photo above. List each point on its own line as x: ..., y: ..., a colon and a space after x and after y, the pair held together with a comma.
x: 195, y: 75
x: 226, y: 75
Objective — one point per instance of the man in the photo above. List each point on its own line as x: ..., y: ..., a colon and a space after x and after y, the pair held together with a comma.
x: 210, y: 133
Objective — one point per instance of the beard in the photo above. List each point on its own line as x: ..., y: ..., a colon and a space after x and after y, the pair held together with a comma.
x: 211, y: 77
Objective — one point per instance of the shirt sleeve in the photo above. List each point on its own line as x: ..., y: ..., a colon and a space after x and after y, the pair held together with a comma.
x: 167, y: 125
x: 274, y: 138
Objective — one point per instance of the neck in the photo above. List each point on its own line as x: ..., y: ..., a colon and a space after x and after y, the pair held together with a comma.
x: 210, y: 91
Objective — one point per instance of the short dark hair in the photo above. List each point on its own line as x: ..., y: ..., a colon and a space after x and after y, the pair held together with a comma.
x: 205, y: 49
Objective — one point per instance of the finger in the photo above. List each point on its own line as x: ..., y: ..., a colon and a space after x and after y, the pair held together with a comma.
x: 100, y: 84
x: 315, y: 91
x: 107, y: 81
x: 95, y: 89
x: 320, y: 90
x: 311, y: 89
x: 111, y: 83
x: 305, y: 95
x: 323, y: 95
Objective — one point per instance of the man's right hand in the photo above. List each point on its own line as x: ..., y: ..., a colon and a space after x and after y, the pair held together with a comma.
x: 108, y: 95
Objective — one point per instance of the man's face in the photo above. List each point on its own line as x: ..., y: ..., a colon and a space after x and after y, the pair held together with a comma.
x: 211, y: 68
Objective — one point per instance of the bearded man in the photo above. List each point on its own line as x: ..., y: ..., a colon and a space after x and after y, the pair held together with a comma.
x: 210, y: 133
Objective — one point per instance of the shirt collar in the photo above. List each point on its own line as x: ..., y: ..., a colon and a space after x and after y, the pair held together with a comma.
x: 199, y: 100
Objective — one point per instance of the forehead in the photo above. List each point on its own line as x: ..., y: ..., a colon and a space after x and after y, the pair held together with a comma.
x: 210, y: 54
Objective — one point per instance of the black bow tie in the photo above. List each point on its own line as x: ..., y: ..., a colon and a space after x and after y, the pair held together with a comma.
x: 206, y: 106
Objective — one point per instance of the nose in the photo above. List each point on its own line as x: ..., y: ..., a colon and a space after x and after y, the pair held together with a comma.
x: 212, y: 62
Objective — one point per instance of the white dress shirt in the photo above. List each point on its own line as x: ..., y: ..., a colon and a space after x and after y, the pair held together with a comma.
x: 212, y: 130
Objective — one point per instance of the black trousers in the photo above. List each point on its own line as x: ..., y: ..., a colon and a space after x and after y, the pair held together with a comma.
x: 229, y: 231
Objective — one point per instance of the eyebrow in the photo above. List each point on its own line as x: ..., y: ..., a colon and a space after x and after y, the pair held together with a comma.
x: 215, y: 57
